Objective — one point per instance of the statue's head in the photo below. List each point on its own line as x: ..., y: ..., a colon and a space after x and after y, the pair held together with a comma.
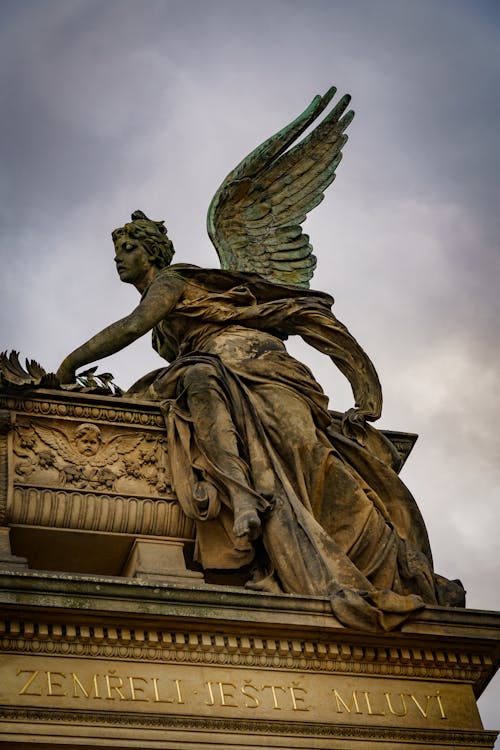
x: 152, y: 235
x: 88, y: 439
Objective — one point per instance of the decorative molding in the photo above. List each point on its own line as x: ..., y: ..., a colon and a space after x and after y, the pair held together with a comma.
x: 5, y: 426
x: 123, y: 413
x: 78, y: 475
x: 218, y: 649
x: 60, y: 453
x: 450, y: 738
x: 5, y: 422
x: 99, y: 512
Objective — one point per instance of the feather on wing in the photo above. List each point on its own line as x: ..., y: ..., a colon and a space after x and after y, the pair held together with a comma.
x: 116, y: 447
x: 255, y: 217
x: 59, y: 443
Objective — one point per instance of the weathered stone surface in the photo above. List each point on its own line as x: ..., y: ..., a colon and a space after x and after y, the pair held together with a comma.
x: 83, y: 476
x: 269, y: 478
x: 161, y: 560
x: 142, y: 664
x: 240, y: 469
x: 82, y: 510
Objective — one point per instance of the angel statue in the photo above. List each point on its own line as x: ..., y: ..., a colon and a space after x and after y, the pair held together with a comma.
x: 269, y: 476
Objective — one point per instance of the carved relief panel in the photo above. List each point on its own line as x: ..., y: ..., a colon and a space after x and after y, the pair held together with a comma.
x: 89, y: 467
x: 88, y: 457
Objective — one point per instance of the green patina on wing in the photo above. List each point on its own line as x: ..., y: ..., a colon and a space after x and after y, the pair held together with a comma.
x: 255, y: 217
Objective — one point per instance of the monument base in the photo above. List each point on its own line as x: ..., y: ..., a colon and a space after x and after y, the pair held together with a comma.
x: 159, y: 560
x: 102, y: 662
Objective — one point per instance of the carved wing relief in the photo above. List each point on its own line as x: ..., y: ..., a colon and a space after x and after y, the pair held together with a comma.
x: 83, y: 457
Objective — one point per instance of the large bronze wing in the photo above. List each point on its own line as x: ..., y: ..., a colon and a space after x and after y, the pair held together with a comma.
x: 255, y: 217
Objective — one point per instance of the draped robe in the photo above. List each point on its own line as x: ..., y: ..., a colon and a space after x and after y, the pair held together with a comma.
x: 336, y: 519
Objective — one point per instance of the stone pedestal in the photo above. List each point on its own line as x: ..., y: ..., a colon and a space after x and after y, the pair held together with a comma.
x: 160, y: 560
x: 130, y: 647
x: 85, y: 487
x: 8, y: 561
x: 95, y: 662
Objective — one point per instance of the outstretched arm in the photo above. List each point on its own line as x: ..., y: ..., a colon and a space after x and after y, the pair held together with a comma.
x: 157, y: 302
x: 324, y: 332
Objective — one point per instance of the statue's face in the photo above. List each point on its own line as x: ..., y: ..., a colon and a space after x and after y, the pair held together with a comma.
x: 132, y: 260
x: 88, y: 443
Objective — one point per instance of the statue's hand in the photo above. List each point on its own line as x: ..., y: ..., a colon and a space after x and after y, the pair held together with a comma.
x: 354, y: 424
x: 66, y: 373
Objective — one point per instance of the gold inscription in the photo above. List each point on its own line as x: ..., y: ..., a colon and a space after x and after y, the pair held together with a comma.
x: 371, y: 711
x: 273, y: 689
x: 33, y: 675
x: 250, y: 691
x: 77, y: 685
x: 424, y: 712
x: 342, y: 705
x: 109, y: 686
x: 404, y: 709
x: 157, y: 698
x: 113, y: 682
x: 53, y: 685
x: 438, y: 698
x: 135, y: 689
x: 298, y: 699
x: 226, y: 695
x: 178, y: 689
x: 377, y: 704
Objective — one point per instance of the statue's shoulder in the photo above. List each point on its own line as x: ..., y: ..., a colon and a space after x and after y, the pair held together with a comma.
x: 184, y: 269
x: 211, y: 279
x: 215, y: 281
x: 223, y: 280
x: 171, y: 276
x: 179, y: 272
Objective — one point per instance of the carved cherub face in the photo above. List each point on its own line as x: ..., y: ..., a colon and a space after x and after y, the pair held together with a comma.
x: 88, y: 439
x: 132, y: 261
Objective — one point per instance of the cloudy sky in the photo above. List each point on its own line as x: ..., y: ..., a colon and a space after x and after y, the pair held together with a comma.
x: 109, y: 106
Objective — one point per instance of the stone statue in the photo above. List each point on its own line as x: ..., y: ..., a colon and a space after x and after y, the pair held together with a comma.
x: 311, y: 504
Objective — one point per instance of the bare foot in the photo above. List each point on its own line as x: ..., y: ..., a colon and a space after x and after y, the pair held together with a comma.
x: 247, y: 524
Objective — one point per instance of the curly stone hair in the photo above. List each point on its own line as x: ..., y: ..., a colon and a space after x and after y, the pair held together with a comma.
x: 152, y: 235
